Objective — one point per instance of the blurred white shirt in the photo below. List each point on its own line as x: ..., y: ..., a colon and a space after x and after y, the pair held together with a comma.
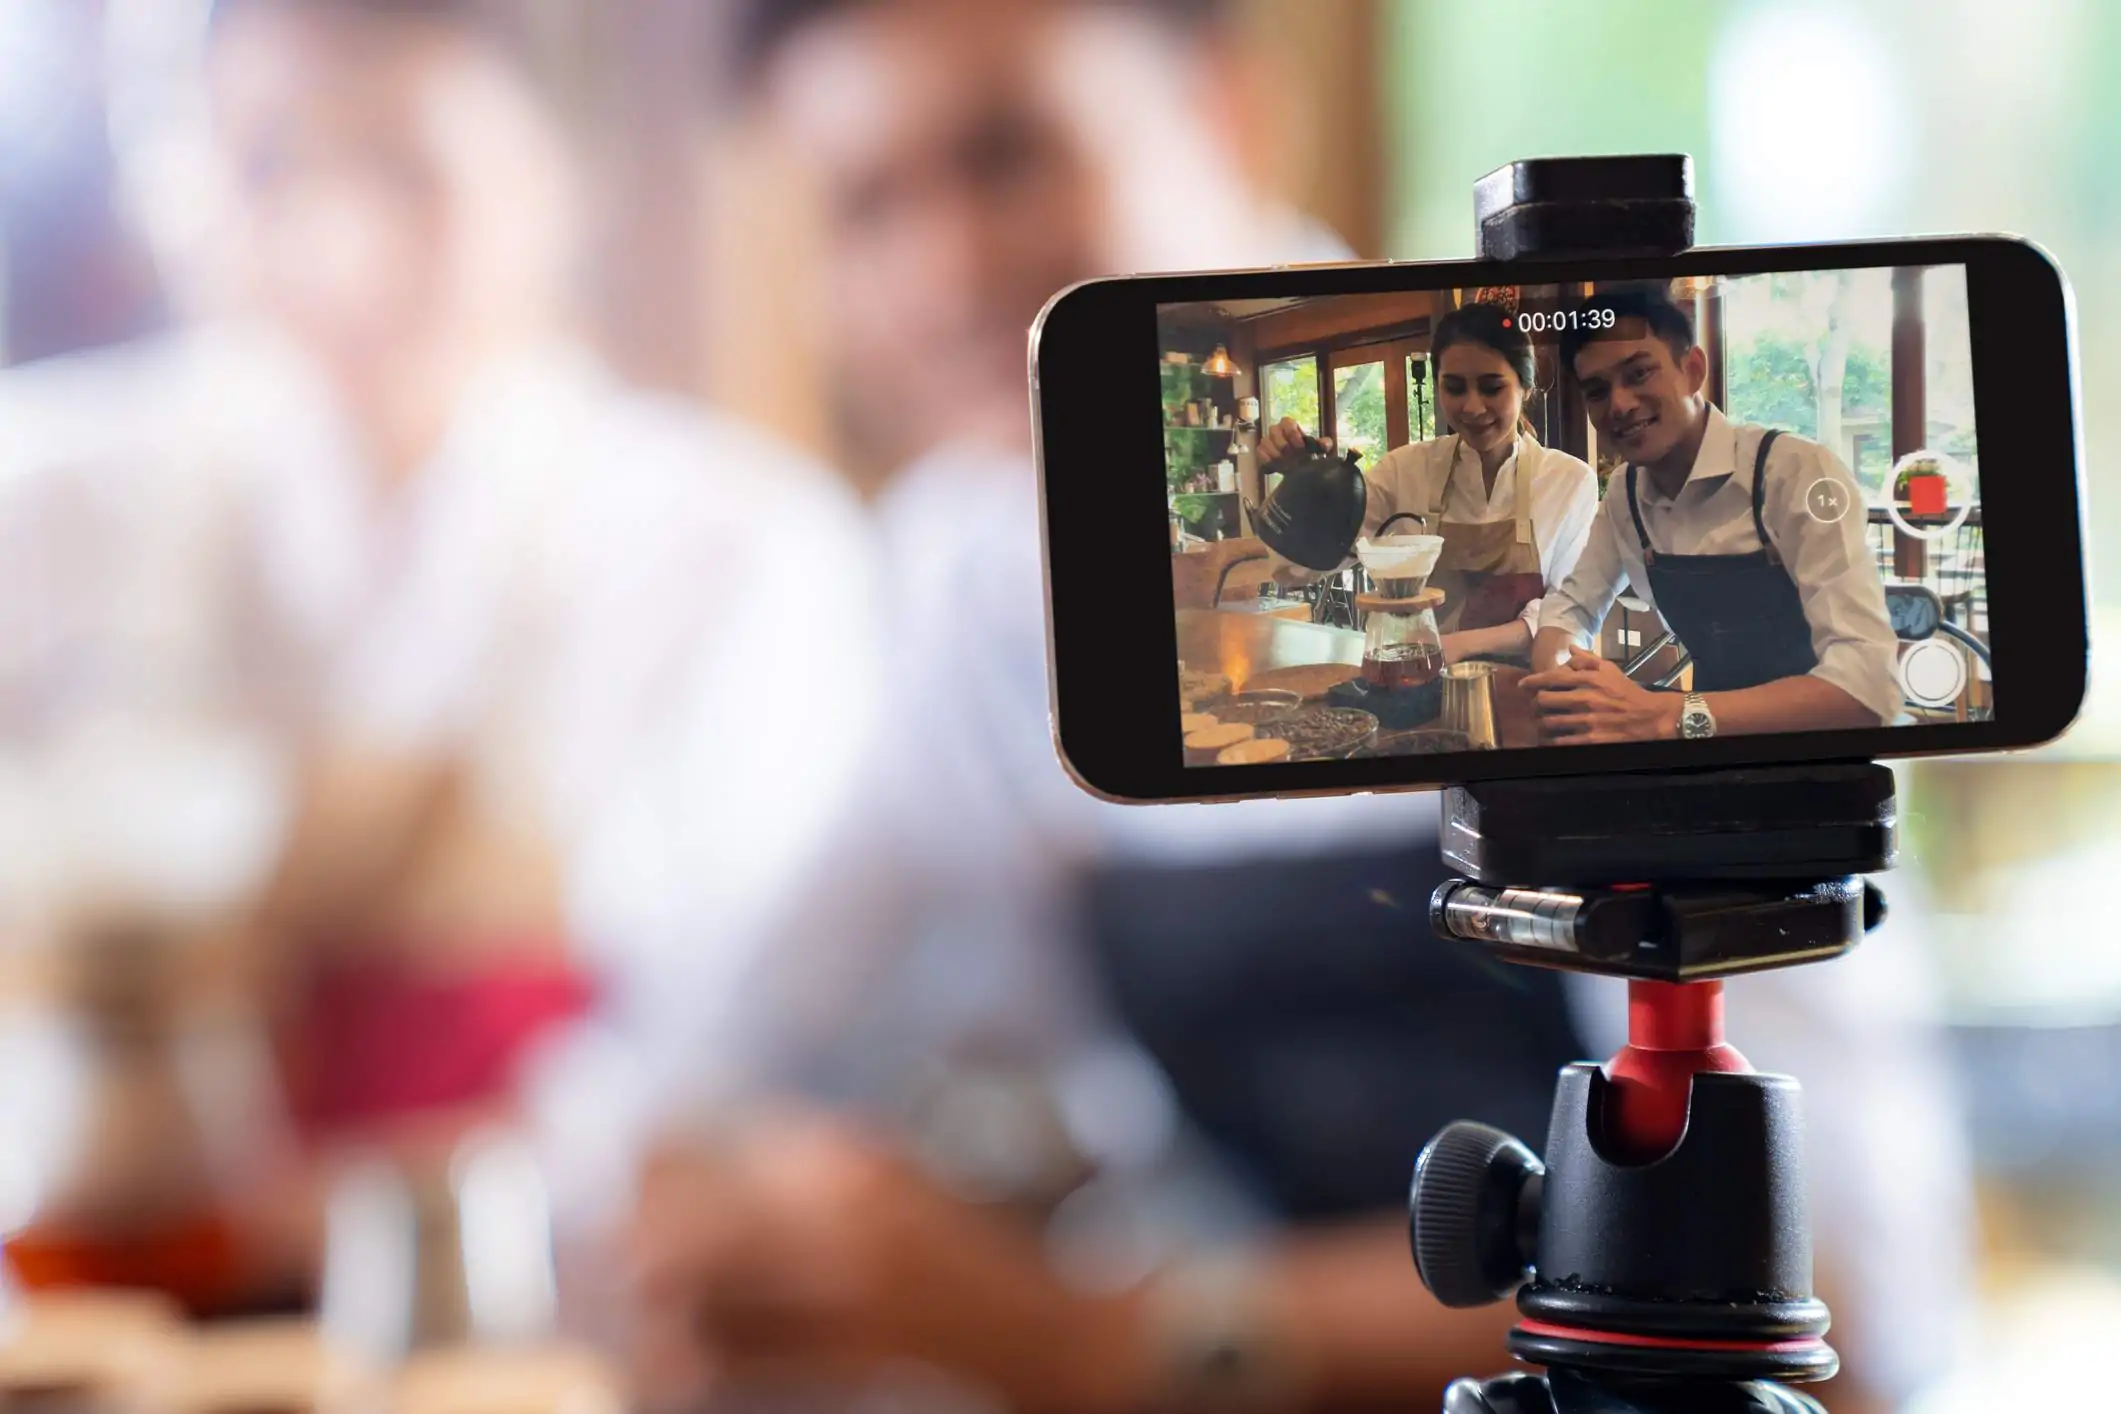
x: 612, y: 606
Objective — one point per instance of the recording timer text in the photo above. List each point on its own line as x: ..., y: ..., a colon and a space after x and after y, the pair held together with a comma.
x: 1562, y: 321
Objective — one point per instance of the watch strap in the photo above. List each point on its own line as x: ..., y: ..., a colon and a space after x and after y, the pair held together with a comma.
x: 1694, y: 711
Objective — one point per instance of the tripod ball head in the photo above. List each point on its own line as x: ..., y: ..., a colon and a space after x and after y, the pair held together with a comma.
x: 1474, y: 1215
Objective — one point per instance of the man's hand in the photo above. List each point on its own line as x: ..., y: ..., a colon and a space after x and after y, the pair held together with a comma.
x: 1588, y: 699
x: 812, y: 1253
x: 1281, y: 439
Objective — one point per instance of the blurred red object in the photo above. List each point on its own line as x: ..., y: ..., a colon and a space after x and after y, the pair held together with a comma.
x: 380, y: 1041
x: 1927, y: 494
x: 197, y: 1261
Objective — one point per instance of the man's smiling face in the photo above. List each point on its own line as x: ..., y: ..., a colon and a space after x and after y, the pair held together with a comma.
x: 1640, y: 397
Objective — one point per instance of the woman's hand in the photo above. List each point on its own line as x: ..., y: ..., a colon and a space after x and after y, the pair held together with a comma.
x: 1510, y: 640
x: 1588, y: 699
x: 1281, y: 439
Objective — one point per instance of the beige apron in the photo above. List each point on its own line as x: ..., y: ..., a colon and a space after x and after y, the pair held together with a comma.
x: 1488, y: 570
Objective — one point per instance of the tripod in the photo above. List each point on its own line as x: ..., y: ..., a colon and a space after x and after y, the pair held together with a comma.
x: 1660, y: 1252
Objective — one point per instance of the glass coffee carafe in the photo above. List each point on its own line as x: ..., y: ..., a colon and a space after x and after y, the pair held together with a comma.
x: 152, y: 1088
x: 1402, y: 647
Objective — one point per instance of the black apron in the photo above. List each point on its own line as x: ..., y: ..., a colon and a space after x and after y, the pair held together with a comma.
x: 1738, y: 616
x: 1314, y: 1028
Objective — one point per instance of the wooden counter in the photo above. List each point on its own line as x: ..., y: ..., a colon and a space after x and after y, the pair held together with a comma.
x: 1239, y: 645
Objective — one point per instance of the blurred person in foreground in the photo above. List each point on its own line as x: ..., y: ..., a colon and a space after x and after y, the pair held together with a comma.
x: 503, y: 627
x: 1241, y: 1243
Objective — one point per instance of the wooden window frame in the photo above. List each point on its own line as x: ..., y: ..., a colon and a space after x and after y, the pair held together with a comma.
x: 1388, y: 344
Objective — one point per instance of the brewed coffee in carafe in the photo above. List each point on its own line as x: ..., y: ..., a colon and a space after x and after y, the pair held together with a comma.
x: 1401, y: 645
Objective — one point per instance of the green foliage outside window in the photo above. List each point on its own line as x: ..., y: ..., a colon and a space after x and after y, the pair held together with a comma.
x: 1359, y: 409
x: 1770, y: 381
x: 1291, y: 390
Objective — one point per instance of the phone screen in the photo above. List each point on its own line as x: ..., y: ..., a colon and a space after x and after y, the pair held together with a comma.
x: 1504, y: 517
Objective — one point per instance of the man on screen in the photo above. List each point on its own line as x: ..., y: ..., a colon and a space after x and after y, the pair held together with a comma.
x: 1749, y: 542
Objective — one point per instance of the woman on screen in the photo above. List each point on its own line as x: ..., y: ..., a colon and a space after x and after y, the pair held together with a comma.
x: 1513, y: 514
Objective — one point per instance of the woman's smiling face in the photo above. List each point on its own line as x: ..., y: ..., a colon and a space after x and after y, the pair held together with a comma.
x: 1478, y: 394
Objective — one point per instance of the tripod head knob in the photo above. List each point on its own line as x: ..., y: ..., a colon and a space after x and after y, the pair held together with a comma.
x: 1475, y: 1214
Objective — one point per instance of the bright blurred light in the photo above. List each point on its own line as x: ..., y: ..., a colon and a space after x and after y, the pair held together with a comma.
x: 2042, y: 1325
x: 33, y: 65
x: 1810, y: 124
x: 504, y: 1215
x: 154, y: 92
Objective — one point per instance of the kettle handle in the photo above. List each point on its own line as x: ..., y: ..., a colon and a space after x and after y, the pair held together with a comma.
x: 1415, y: 516
x: 1311, y: 447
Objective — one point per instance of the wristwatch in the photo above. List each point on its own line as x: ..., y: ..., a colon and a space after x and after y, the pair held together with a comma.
x: 1695, y: 719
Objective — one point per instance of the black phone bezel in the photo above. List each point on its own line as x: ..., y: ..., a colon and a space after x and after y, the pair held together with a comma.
x: 1107, y: 550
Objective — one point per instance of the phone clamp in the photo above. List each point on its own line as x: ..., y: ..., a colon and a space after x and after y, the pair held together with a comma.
x: 1660, y: 1249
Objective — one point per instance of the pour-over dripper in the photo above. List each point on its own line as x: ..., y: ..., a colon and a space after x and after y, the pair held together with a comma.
x: 1400, y: 565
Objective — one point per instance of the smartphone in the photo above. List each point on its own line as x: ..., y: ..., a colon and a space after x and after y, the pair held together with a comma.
x: 1349, y: 528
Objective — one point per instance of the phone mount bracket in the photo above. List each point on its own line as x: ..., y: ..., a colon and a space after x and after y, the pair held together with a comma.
x: 1660, y: 1253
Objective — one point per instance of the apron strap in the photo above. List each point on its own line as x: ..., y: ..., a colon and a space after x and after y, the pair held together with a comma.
x: 1442, y: 487
x: 1649, y: 551
x: 1522, y: 491
x: 1767, y: 440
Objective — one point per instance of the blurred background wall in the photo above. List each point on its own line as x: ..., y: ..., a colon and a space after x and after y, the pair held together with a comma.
x: 1807, y: 120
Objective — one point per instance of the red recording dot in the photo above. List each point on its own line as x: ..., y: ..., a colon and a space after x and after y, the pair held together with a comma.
x: 1508, y: 323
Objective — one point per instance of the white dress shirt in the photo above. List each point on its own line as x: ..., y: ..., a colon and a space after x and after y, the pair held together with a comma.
x: 1564, y: 497
x: 1830, y: 561
x: 628, y: 619
x: 584, y: 595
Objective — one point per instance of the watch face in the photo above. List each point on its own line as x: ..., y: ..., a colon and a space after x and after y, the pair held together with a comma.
x: 1696, y: 723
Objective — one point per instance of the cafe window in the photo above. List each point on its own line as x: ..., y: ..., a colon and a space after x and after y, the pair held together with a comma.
x: 1359, y: 409
x: 1290, y: 389
x: 1809, y: 352
x: 1368, y: 400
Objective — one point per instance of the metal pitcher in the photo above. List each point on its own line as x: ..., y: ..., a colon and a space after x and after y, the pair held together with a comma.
x: 1469, y: 703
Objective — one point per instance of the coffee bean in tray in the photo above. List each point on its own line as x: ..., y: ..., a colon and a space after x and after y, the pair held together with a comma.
x: 1322, y: 733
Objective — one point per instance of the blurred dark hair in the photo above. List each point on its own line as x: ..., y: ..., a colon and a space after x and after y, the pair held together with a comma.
x: 760, y: 29
x: 1650, y: 307
x: 511, y: 27
x: 1483, y: 324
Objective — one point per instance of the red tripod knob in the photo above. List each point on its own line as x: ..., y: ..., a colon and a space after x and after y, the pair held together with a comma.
x: 1675, y: 1032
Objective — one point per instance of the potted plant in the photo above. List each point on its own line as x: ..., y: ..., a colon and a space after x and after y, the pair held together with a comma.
x: 1197, y: 510
x: 1922, y: 484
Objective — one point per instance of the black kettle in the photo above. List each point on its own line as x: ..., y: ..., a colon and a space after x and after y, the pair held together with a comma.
x: 1315, y: 514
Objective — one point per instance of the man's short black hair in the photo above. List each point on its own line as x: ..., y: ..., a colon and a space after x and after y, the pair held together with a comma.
x: 1636, y: 311
x: 760, y: 29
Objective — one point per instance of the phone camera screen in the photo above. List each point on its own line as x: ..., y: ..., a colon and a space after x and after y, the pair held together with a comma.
x: 1521, y: 516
